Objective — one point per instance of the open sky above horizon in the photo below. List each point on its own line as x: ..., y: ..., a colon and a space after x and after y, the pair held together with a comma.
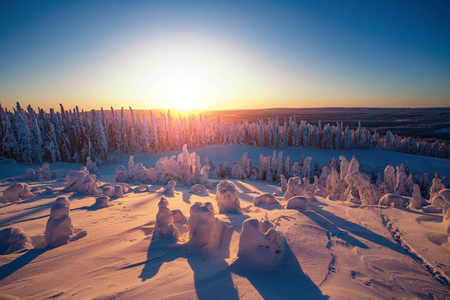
x: 225, y: 54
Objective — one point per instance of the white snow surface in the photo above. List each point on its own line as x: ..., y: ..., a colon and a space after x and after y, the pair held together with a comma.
x: 336, y: 249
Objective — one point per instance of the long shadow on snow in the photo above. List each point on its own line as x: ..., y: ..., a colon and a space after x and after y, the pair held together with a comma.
x: 289, y: 282
x: 334, y: 224
x: 212, y: 275
x: 19, y: 262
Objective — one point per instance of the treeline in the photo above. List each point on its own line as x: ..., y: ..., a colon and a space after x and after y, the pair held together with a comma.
x: 30, y: 136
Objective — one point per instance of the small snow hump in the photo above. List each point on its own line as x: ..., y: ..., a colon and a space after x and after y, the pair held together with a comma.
x: 227, y: 198
x: 391, y: 200
x: 298, y: 202
x: 59, y: 229
x: 257, y: 249
x: 13, y: 239
x: 16, y: 192
x: 264, y: 200
x: 199, y: 189
x: 101, y: 202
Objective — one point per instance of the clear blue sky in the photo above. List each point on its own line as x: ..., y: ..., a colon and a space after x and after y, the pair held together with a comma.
x: 225, y: 54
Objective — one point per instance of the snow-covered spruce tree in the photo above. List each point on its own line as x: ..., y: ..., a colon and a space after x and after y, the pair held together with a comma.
x: 99, y: 141
x: 23, y: 139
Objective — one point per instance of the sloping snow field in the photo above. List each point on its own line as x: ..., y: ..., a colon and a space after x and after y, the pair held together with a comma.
x: 336, y: 249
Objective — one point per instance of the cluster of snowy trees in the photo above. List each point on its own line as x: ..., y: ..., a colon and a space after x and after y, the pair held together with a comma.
x: 340, y: 180
x: 30, y: 137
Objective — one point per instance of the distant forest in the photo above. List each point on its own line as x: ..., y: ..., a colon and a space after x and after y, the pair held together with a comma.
x: 32, y: 137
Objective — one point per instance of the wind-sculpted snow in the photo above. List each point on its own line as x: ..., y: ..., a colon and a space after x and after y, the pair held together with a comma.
x: 16, y: 192
x: 227, y: 198
x: 205, y: 230
x: 298, y: 202
x: 13, y: 239
x: 258, y: 249
x: 59, y: 229
x: 264, y: 200
x: 164, y: 227
x: 391, y: 200
x: 83, y: 182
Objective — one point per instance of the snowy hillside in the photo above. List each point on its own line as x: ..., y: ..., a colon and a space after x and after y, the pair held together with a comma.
x: 120, y: 240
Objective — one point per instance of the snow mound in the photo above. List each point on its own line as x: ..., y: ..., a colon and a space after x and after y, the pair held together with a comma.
x: 125, y: 187
x: 178, y: 216
x: 227, y: 198
x: 264, y: 200
x: 59, y: 229
x: 260, y: 250
x: 199, y: 189
x: 82, y: 181
x: 118, y: 192
x: 13, y: 239
x: 16, y: 192
x: 141, y: 188
x: 205, y: 230
x: 108, y: 191
x: 391, y: 200
x: 101, y: 202
x: 294, y: 188
x: 298, y: 202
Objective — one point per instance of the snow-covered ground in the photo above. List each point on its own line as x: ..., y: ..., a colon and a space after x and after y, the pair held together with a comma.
x: 335, y: 249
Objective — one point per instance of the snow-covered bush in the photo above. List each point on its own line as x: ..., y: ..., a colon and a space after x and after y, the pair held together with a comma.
x: 441, y: 200
x: 238, y: 172
x: 264, y: 200
x: 389, y: 179
x: 125, y: 187
x: 59, y: 228
x: 298, y: 202
x: 416, y: 199
x: 16, y: 192
x: 367, y: 192
x: 118, y: 192
x: 436, y: 186
x: 164, y: 216
x: 101, y: 202
x: 30, y: 174
x: 170, y: 188
x: 334, y: 188
x: 227, y: 198
x: 205, y: 230
x: 294, y: 188
x: 141, y: 188
x: 283, y: 183
x: 46, y: 173
x: 91, y: 166
x: 164, y: 221
x: 82, y: 181
x: 257, y: 249
x: 108, y: 191
x: 391, y: 200
x: 400, y: 185
x: 199, y: 189
x: 13, y: 239
x: 121, y: 173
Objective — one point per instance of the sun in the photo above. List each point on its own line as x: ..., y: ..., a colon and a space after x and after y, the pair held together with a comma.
x: 185, y: 89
